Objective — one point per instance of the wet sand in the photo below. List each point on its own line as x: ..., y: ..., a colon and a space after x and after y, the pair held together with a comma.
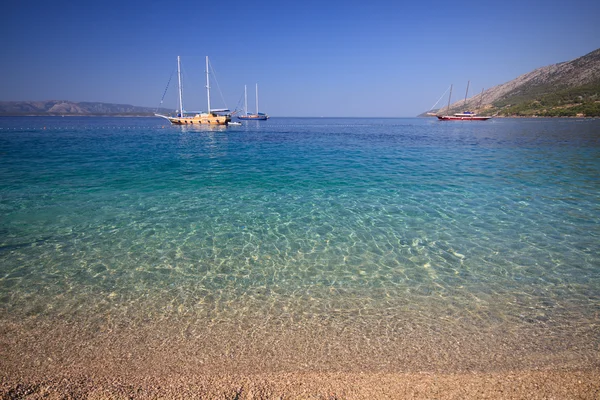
x: 179, y: 358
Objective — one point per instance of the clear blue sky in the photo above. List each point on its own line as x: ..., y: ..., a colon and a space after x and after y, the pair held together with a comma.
x: 310, y: 58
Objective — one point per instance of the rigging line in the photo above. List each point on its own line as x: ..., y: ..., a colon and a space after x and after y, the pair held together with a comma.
x: 184, y: 77
x: 237, y: 107
x: 165, y: 92
x: 217, y: 82
x: 443, y: 94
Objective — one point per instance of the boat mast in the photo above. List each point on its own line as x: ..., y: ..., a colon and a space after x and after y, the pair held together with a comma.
x: 449, y: 96
x: 180, y: 88
x: 245, y: 100
x: 257, y: 99
x: 207, y: 85
x: 467, y: 93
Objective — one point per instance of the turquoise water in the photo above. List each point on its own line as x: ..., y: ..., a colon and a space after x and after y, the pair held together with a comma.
x: 491, y: 223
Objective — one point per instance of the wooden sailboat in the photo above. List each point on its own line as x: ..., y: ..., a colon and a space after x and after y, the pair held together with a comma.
x: 247, y: 116
x: 211, y: 117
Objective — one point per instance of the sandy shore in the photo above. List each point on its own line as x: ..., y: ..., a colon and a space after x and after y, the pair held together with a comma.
x: 508, y: 385
x: 184, y: 358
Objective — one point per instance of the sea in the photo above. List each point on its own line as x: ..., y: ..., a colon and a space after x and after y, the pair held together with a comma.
x: 405, y: 238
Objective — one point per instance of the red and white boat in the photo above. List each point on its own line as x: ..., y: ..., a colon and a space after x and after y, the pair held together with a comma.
x: 462, y: 116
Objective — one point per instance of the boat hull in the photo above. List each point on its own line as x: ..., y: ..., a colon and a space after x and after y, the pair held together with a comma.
x: 199, y: 119
x: 463, y: 118
x: 253, y: 117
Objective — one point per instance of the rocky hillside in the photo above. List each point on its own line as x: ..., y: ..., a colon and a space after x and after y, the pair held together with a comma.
x: 61, y: 107
x: 565, y: 89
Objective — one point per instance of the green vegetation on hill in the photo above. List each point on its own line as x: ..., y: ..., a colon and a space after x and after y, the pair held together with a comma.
x: 568, y: 102
x: 566, y: 89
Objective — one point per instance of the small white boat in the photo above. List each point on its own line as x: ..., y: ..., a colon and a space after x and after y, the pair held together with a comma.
x: 234, y: 123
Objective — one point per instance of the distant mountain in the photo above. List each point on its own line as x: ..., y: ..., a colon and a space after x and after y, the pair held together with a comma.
x: 63, y: 107
x: 569, y: 88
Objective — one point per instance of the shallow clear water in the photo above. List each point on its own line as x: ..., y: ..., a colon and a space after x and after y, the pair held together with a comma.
x: 489, y: 223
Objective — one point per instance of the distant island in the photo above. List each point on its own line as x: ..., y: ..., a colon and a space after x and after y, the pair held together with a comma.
x: 567, y: 89
x: 70, y: 108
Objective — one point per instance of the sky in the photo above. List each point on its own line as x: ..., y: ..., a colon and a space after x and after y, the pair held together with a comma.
x: 369, y: 58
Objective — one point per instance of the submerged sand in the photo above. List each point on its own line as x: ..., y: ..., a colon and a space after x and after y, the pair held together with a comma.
x: 179, y: 357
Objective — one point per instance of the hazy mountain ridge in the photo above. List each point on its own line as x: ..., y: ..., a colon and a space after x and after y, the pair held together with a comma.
x: 64, y: 107
x: 569, y: 88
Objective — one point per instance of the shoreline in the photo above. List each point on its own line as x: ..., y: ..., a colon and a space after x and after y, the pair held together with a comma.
x: 580, y: 384
x: 117, y: 357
